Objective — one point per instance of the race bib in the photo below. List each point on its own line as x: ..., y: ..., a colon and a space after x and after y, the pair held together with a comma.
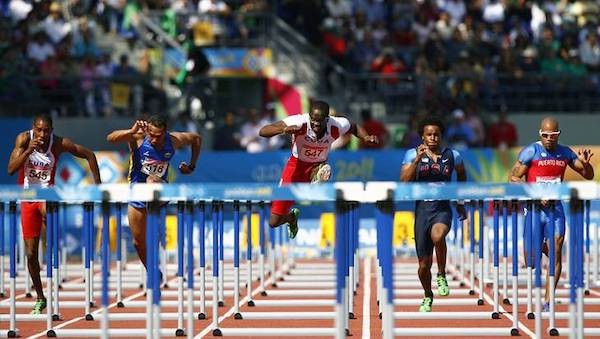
x: 156, y: 168
x: 548, y: 180
x: 38, y: 176
x: 314, y: 154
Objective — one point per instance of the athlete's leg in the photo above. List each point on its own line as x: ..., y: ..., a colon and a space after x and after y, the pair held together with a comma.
x: 425, y: 274
x: 558, y: 244
x: 33, y: 215
x: 137, y: 226
x: 438, y: 237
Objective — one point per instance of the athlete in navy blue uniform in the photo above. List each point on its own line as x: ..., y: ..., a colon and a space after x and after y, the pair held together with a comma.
x: 430, y: 162
x: 546, y: 161
x: 151, y: 148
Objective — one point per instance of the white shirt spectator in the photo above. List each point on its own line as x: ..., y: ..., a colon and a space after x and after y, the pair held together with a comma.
x: 339, y: 8
x: 589, y: 51
x: 456, y: 9
x: 39, y: 50
x: 19, y: 9
x: 56, y: 29
x: 493, y: 12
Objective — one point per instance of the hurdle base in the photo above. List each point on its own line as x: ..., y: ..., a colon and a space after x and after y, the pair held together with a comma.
x: 471, y: 292
x: 506, y: 301
x: 92, y: 305
x: 221, y: 304
x: 514, y: 332
x: 351, y: 315
x: 480, y: 302
x: 51, y: 334
x: 201, y: 316
x: 553, y: 332
x: 347, y: 332
x: 238, y: 316
x: 89, y: 317
x: 530, y: 315
x: 141, y: 286
x: 263, y: 293
x: 56, y: 317
x: 380, y: 316
x: 461, y: 284
x: 1, y: 294
x: 217, y: 332
x: 60, y: 287
x: 587, y: 292
x: 179, y: 332
x: 120, y: 304
x: 273, y: 285
x: 495, y: 315
x: 251, y: 303
x: 13, y: 333
x: 29, y: 295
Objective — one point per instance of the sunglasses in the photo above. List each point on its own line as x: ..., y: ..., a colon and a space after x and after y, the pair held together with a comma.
x: 549, y: 134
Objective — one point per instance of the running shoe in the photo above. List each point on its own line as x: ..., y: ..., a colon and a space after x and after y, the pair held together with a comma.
x: 321, y: 173
x: 546, y: 307
x: 442, y: 285
x: 293, y: 225
x: 426, y: 304
x: 39, y: 306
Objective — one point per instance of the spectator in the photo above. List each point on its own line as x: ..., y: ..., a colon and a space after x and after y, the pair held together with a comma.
x: 40, y: 48
x: 250, y: 139
x: 87, y: 72
x: 227, y: 135
x: 589, y: 51
x: 502, y: 133
x: 459, y: 135
x: 54, y: 25
x: 373, y: 127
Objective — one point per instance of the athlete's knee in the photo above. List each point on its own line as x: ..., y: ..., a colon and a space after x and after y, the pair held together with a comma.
x: 425, y: 263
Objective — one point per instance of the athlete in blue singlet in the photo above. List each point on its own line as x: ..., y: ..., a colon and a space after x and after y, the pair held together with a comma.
x: 546, y: 161
x: 430, y: 162
x: 152, y: 147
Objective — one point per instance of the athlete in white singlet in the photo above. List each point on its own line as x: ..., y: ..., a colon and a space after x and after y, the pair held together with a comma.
x: 312, y: 136
x: 35, y: 156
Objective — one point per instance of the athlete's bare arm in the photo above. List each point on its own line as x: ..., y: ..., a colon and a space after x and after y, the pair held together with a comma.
x: 409, y: 171
x: 182, y: 139
x: 22, y: 150
x: 131, y: 136
x: 518, y: 172
x: 66, y: 145
x: 277, y: 128
x: 359, y: 132
x: 582, y: 164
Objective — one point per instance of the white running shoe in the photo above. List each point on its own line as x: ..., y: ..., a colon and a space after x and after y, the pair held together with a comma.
x: 321, y: 173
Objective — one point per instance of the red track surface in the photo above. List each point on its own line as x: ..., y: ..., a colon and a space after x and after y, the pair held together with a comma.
x: 73, y: 318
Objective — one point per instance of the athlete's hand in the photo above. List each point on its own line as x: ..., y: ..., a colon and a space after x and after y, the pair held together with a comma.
x: 184, y: 168
x: 139, y: 126
x: 34, y: 144
x: 291, y: 129
x: 462, y: 212
x: 421, y: 151
x: 371, y: 139
x: 584, y: 155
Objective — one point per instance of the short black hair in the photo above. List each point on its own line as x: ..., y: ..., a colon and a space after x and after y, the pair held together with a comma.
x: 320, y: 105
x: 44, y: 117
x: 431, y: 121
x: 158, y: 121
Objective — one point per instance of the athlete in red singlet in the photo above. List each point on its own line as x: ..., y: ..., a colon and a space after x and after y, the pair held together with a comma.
x: 312, y: 136
x: 35, y: 157
x: 546, y: 161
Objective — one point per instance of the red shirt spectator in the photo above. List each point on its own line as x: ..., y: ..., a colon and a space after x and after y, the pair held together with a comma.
x: 373, y: 127
x: 502, y: 133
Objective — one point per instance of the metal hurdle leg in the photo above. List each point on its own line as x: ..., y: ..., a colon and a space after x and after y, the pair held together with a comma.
x: 221, y: 257
x: 496, y: 254
x: 552, y: 269
x: 506, y: 300
x: 215, y: 270
x: 528, y: 226
x: 104, y: 326
x: 249, y: 251
x: 482, y: 248
x: 2, y: 256
x: 119, y: 252
x: 261, y: 255
x: 180, y: 236
x: 472, y: 206
x: 587, y: 271
x: 50, y: 229
x: 236, y: 259
x: 515, y: 269
x: 190, y: 269
x: 13, y: 332
x: 537, y: 237
x: 56, y: 261
x: 201, y: 235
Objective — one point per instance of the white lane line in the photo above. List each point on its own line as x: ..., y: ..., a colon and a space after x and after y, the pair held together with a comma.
x: 490, y: 301
x: 366, y: 314
x: 74, y: 320
x: 208, y: 329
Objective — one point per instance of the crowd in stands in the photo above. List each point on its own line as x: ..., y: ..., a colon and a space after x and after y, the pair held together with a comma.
x: 461, y: 50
